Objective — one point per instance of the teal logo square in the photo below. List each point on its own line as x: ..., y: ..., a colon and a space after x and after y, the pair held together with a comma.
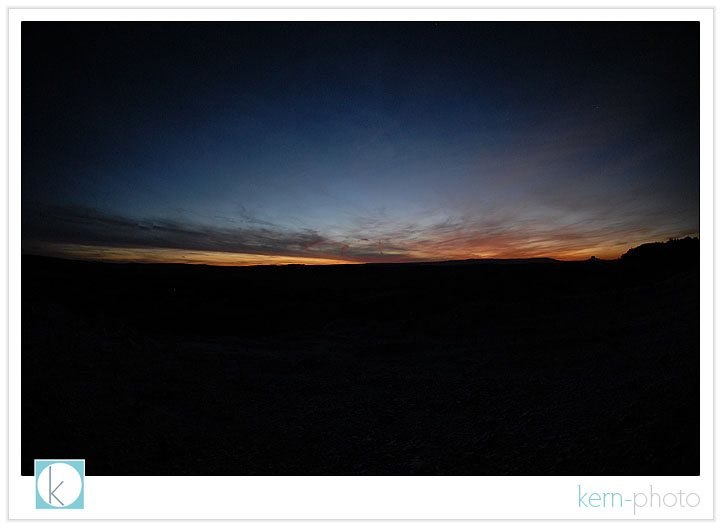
x: 59, y: 484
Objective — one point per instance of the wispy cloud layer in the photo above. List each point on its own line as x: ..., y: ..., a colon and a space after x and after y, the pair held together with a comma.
x: 489, y: 233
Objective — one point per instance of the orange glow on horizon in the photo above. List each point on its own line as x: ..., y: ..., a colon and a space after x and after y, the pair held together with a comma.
x: 175, y: 256
x: 561, y: 250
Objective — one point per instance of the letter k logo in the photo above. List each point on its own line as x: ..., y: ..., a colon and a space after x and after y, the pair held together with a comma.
x: 59, y: 484
x: 51, y: 491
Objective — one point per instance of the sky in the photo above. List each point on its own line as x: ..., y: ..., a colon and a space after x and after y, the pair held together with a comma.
x: 318, y: 143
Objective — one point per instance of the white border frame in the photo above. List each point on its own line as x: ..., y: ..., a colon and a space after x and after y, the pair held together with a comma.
x: 362, y: 497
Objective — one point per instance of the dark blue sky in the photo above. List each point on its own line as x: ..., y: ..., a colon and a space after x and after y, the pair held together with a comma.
x: 279, y: 142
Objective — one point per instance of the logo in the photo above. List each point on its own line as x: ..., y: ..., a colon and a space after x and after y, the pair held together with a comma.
x: 59, y: 484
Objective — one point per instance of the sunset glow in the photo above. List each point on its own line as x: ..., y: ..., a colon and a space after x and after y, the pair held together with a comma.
x: 251, y: 143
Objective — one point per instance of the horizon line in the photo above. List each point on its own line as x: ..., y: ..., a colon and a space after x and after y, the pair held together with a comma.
x: 121, y: 255
x: 283, y: 264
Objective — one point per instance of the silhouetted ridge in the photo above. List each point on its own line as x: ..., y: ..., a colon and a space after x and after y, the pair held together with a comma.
x: 677, y: 252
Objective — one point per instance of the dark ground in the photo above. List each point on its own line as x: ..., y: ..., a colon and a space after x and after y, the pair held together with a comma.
x: 538, y: 368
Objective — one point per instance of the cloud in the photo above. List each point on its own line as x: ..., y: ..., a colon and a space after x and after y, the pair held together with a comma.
x: 87, y: 226
x: 543, y: 226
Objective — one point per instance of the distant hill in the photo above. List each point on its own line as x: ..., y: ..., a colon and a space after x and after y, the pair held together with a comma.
x: 675, y: 252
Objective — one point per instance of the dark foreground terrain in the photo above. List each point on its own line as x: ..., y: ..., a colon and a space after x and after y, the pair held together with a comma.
x: 487, y: 368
